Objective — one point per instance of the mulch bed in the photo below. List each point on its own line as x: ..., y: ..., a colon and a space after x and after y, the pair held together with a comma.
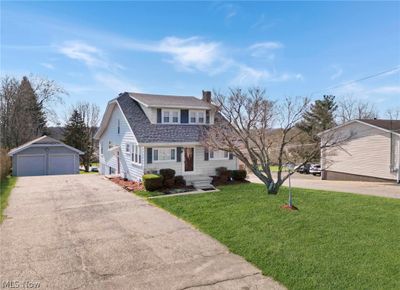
x: 128, y: 184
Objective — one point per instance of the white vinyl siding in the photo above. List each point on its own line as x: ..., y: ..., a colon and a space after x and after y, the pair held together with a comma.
x: 367, y: 153
x: 201, y: 166
x: 108, y: 159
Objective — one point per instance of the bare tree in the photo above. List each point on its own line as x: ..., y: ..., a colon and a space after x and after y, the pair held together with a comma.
x: 25, y: 106
x: 350, y: 108
x: 260, y: 132
x: 91, y: 116
x: 393, y: 113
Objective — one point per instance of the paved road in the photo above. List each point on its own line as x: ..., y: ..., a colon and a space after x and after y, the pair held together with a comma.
x: 84, y: 232
x: 385, y: 189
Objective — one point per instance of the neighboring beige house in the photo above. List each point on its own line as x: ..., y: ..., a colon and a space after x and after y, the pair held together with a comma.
x: 371, y: 153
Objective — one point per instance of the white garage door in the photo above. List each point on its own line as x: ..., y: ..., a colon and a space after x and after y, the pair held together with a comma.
x: 61, y: 164
x: 30, y: 165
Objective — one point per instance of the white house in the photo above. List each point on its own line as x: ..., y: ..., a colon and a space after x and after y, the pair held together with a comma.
x: 371, y: 153
x: 143, y: 133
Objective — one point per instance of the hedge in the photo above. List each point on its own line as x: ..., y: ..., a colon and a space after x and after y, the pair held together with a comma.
x: 152, y: 182
x: 239, y: 175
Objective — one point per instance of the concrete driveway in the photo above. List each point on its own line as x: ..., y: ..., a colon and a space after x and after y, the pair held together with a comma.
x: 383, y: 189
x: 84, y: 232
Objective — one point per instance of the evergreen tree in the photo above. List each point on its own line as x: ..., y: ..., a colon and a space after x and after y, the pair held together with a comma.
x: 320, y: 117
x: 75, y: 133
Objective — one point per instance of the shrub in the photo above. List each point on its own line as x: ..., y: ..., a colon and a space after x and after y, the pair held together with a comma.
x: 180, y: 181
x: 152, y: 182
x: 221, y: 171
x: 5, y: 164
x: 167, y: 173
x: 239, y: 175
x: 169, y: 183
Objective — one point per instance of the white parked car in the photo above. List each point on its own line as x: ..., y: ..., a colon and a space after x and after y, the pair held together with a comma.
x: 315, y: 169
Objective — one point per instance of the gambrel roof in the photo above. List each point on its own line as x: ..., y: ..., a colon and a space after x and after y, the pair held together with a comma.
x: 144, y: 130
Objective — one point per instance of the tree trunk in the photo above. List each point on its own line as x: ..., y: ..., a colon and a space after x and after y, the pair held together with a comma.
x: 273, y: 188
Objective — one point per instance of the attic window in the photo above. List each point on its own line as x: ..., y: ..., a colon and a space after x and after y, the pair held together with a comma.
x: 170, y: 116
x: 119, y: 127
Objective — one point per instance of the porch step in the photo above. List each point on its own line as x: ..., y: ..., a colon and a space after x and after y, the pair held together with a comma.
x: 201, y: 182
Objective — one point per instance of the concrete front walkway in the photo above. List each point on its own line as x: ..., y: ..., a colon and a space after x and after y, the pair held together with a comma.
x: 84, y: 232
x: 383, y: 189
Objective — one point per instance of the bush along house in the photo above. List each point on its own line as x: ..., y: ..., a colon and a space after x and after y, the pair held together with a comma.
x: 143, y: 133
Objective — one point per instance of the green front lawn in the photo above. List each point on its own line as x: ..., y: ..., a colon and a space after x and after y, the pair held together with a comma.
x: 335, y: 241
x: 5, y: 190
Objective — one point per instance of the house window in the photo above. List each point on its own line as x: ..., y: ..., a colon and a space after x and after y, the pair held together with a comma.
x: 197, y: 117
x: 200, y: 117
x: 164, y: 154
x: 166, y: 116
x: 218, y: 155
x: 127, y: 148
x: 119, y: 127
x: 136, y: 154
x: 192, y: 117
x: 109, y: 144
x: 175, y: 117
x: 170, y: 116
x: 101, y: 148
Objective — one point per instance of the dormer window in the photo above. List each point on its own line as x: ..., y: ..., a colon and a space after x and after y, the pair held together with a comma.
x: 197, y: 117
x: 200, y: 117
x: 170, y: 116
x: 192, y: 117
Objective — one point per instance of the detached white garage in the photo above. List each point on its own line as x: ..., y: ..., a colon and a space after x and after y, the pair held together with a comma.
x: 44, y: 156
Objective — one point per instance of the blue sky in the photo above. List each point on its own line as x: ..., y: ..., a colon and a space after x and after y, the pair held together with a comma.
x: 97, y: 49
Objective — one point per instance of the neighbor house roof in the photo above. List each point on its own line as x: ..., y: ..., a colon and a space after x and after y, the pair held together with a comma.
x: 390, y: 126
x: 42, y: 141
x: 149, y: 100
x: 146, y: 132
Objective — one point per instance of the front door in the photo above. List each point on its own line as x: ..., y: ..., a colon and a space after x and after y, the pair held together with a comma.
x: 188, y: 159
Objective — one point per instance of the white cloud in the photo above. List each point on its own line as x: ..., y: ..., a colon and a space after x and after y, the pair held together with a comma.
x: 338, y: 72
x: 265, y: 49
x: 47, y: 65
x: 115, y: 83
x: 189, y: 54
x: 88, y: 54
x: 386, y: 90
x: 251, y: 76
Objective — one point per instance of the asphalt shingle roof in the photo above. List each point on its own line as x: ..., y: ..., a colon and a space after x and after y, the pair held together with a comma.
x: 170, y: 101
x: 392, y: 125
x: 145, y: 132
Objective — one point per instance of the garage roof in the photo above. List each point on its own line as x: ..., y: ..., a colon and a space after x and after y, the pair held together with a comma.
x: 40, y: 142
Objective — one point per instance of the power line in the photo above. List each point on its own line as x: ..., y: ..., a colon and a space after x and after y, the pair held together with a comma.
x: 396, y: 68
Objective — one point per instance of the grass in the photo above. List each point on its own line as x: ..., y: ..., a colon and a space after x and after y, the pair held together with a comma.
x: 274, y: 168
x: 335, y: 241
x: 5, y: 190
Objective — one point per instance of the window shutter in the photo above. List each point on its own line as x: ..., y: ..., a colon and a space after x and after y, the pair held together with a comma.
x: 206, y: 155
x: 178, y: 154
x: 184, y: 116
x: 158, y: 115
x: 149, y: 155
x: 207, y: 117
x: 230, y: 155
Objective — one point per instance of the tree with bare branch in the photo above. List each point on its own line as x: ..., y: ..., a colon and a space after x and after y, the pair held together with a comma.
x: 350, y: 108
x: 393, y: 113
x: 260, y: 132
